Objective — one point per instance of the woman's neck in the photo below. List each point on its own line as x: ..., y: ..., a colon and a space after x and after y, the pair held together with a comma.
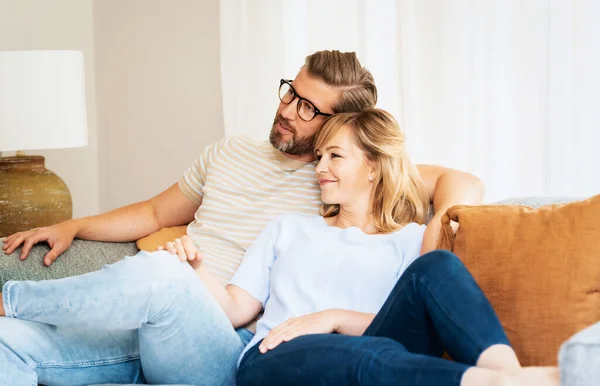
x: 360, y: 219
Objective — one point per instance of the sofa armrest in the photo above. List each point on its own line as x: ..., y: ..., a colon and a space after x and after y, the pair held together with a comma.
x: 82, y: 257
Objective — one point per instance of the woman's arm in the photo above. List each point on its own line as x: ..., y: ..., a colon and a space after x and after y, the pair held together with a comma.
x: 351, y: 322
x: 241, y: 307
x: 323, y: 322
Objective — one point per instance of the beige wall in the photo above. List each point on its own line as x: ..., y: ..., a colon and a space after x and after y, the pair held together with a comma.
x: 60, y: 24
x: 158, y: 92
x: 153, y: 89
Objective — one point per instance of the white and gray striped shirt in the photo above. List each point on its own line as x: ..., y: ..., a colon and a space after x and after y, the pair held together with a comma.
x: 242, y: 185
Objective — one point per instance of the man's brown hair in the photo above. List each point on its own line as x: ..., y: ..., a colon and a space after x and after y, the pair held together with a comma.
x: 344, y: 71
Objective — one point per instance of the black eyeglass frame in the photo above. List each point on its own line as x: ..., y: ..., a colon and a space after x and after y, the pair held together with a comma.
x: 296, y: 95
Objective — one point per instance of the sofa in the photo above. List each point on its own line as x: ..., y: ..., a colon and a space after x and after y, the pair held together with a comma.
x: 579, y: 358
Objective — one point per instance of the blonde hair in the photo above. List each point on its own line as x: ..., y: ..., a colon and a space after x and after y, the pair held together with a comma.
x: 344, y: 71
x: 399, y: 196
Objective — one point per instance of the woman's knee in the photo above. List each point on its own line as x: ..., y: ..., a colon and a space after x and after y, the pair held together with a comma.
x: 438, y: 262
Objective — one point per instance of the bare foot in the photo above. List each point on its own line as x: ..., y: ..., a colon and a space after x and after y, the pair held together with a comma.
x: 499, y: 357
x: 531, y: 376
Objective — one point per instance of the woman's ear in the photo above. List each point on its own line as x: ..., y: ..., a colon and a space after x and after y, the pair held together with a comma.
x: 374, y: 169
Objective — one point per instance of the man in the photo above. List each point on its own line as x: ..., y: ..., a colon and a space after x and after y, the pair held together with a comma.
x: 238, y: 185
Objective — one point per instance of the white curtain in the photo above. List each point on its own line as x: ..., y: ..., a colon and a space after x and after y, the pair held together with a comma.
x: 508, y: 90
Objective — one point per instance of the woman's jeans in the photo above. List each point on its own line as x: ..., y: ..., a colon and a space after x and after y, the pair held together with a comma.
x: 146, y: 318
x: 436, y: 306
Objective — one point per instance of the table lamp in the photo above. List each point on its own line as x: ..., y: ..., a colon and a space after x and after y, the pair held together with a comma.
x: 42, y: 106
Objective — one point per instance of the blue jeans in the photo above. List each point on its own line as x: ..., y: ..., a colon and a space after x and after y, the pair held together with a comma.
x: 147, y: 318
x: 436, y: 305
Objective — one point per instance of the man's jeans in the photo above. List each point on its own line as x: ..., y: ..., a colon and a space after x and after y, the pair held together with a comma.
x: 147, y: 318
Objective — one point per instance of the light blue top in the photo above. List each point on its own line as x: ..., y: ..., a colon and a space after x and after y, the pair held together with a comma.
x: 299, y: 265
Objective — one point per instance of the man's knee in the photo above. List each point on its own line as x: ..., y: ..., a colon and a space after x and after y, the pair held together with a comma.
x: 156, y: 268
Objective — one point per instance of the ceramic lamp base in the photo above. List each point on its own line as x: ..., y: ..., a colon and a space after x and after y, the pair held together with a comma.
x: 31, y: 196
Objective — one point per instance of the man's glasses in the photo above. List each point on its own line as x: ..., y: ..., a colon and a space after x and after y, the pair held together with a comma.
x: 305, y: 108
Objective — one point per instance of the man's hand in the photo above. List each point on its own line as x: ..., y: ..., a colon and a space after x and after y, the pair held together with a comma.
x: 59, y: 237
x: 431, y: 237
x: 323, y: 322
x: 185, y: 249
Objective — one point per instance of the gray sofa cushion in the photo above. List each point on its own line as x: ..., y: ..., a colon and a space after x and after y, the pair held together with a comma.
x: 82, y: 257
x: 536, y: 202
x: 579, y: 358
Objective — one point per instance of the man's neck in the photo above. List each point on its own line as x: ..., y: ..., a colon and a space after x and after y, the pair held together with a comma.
x: 302, y: 158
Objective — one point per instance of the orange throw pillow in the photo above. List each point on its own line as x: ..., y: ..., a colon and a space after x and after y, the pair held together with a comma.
x: 540, y: 269
x: 151, y: 242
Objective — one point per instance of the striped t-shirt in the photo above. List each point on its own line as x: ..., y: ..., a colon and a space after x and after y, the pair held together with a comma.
x: 242, y: 185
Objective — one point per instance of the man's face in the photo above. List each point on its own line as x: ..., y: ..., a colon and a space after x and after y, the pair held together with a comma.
x: 292, y: 135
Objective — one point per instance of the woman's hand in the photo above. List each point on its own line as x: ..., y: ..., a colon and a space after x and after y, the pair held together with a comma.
x: 323, y: 322
x: 185, y: 249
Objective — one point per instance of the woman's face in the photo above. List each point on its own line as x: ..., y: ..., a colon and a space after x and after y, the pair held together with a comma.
x: 343, y: 170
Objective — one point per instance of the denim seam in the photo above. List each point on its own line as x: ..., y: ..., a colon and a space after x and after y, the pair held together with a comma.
x: 8, y: 309
x: 389, y: 308
x: 101, y: 362
x: 479, y: 344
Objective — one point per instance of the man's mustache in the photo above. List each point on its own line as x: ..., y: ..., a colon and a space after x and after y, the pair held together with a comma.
x: 284, y: 122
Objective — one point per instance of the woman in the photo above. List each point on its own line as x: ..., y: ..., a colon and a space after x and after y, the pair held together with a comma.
x: 320, y: 281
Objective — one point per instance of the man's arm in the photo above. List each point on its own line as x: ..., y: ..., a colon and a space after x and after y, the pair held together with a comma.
x: 128, y: 223
x: 447, y: 187
x: 132, y: 222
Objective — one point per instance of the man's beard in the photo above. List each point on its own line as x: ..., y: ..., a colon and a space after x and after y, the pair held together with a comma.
x: 295, y: 146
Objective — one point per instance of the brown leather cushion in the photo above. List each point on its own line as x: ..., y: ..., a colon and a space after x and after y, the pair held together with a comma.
x: 540, y: 269
x: 151, y: 242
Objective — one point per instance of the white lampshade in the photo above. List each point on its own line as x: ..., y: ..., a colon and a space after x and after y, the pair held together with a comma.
x: 42, y: 100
